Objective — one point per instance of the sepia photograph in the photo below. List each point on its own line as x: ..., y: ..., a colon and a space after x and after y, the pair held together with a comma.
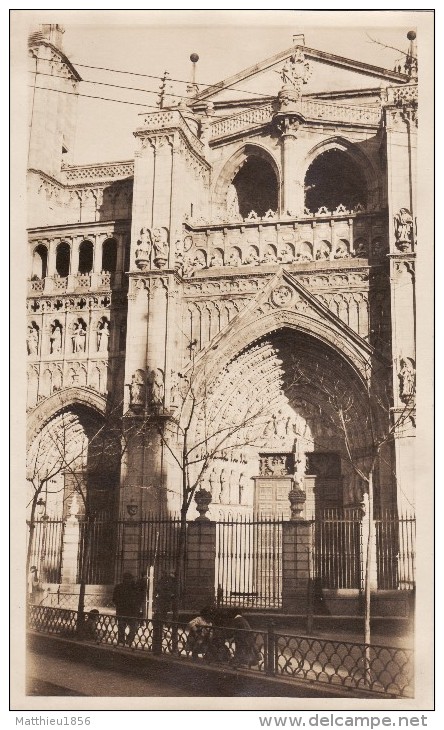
x: 219, y: 477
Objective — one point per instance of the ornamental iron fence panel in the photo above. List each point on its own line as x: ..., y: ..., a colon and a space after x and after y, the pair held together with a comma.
x: 337, y: 548
x: 381, y: 670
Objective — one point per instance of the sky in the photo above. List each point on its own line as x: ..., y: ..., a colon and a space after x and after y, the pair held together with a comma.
x: 152, y: 42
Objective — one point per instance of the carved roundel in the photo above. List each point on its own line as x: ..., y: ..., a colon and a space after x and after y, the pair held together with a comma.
x: 282, y: 296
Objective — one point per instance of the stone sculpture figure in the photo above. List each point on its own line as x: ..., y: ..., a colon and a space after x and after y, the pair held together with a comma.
x: 407, y: 379
x: 341, y: 250
x: 78, y: 337
x: 160, y: 246
x: 56, y: 338
x: 32, y: 340
x: 144, y: 248
x: 103, y: 336
x: 158, y: 388
x: 403, y: 229
x: 137, y: 390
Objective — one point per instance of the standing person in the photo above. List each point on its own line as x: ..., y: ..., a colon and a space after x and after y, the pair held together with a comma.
x: 246, y: 651
x: 126, y: 598
x: 33, y: 584
x: 166, y: 594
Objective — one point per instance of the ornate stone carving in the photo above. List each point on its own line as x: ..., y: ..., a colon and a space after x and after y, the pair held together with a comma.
x: 55, y: 339
x: 202, y: 498
x: 294, y: 74
x: 297, y: 499
x: 138, y: 391
x: 32, y: 340
x: 407, y: 379
x: 282, y: 296
x: 160, y: 239
x: 403, y: 221
x: 103, y: 334
x: 157, y: 382
x: 152, y: 248
x: 78, y: 336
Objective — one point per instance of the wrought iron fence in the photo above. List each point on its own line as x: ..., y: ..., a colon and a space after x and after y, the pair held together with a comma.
x: 337, y: 548
x: 46, y: 549
x: 395, y: 551
x: 153, y: 540
x: 382, y: 670
x: 248, y: 568
x: 249, y: 562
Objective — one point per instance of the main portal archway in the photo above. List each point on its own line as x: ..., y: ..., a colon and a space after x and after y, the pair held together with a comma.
x: 278, y: 400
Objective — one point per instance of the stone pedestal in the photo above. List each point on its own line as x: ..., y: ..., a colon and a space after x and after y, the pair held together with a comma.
x: 200, y: 565
x: 71, y: 540
x: 296, y: 546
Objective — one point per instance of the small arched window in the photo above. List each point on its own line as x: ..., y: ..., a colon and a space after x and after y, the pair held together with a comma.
x: 86, y: 252
x: 109, y: 255
x: 63, y: 256
x: 40, y: 262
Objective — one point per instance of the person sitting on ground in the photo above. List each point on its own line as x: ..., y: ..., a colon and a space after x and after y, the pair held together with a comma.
x: 200, y: 633
x: 90, y: 630
x: 219, y: 649
x: 246, y: 652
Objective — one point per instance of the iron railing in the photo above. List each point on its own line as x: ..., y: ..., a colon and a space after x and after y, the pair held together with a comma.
x: 382, y: 670
x: 337, y: 549
x: 46, y: 549
x: 249, y: 562
x: 248, y: 567
x: 395, y: 551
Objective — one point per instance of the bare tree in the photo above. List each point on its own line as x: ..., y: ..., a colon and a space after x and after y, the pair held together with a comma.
x: 360, y: 410
x: 200, y: 428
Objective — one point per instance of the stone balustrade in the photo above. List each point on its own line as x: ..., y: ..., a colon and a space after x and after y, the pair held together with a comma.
x: 272, y: 240
x: 97, y: 173
x: 103, y: 281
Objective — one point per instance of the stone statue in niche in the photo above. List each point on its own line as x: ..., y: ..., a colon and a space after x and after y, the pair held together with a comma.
x: 251, y: 256
x: 138, y: 390
x: 286, y: 254
x: 78, y: 337
x: 270, y: 255
x: 214, y: 483
x: 403, y: 229
x: 323, y: 251
x: 224, y: 486
x: 103, y: 336
x: 55, y: 339
x: 157, y: 387
x: 216, y: 259
x: 243, y: 483
x: 407, y: 379
x: 341, y: 251
x: 32, y: 340
x: 143, y: 250
x: 160, y: 247
x: 234, y: 258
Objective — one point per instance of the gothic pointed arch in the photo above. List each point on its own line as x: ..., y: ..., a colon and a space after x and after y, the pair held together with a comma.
x: 255, y: 174
x: 337, y: 172
x: 47, y: 408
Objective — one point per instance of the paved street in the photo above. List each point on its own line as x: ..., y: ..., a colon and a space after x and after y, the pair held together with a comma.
x: 49, y: 676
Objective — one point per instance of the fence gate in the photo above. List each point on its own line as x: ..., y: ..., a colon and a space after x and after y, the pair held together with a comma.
x: 46, y: 549
x: 338, y: 548
x: 249, y: 562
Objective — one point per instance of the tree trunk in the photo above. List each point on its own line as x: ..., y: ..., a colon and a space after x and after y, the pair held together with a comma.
x: 83, y: 575
x: 367, y: 583
x: 31, y: 532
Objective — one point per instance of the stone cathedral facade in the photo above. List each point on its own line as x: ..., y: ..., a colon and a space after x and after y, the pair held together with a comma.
x: 259, y: 251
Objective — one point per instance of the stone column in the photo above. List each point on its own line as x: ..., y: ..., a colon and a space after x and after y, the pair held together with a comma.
x: 71, y: 544
x: 200, y: 565
x: 401, y: 121
x: 292, y: 192
x: 52, y: 250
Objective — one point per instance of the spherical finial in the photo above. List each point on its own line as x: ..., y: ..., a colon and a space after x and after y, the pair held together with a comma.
x: 411, y: 35
x: 194, y: 57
